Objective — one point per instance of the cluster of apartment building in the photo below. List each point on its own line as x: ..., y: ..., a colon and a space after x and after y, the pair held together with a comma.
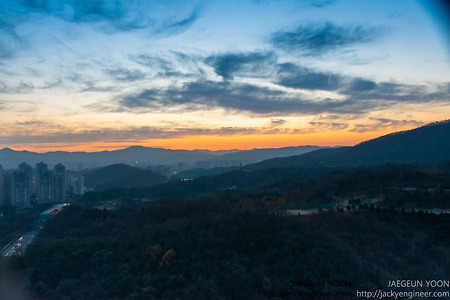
x: 27, y: 187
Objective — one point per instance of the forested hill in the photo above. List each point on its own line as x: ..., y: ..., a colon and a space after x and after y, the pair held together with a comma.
x: 424, y: 144
x: 121, y: 176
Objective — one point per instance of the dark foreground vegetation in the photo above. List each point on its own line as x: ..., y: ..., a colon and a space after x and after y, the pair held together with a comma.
x: 229, y: 236
x: 213, y: 249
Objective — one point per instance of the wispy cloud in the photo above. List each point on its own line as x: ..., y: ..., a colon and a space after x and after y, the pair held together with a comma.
x: 171, y: 27
x: 378, y: 124
x: 291, y: 75
x: 322, y: 3
x: 321, y: 127
x: 253, y: 64
x: 9, y: 40
x: 33, y: 122
x: 277, y: 122
x: 158, y: 65
x: 112, y: 15
x: 396, y: 92
x: 66, y: 135
x: 328, y: 126
x: 122, y: 74
x: 318, y: 39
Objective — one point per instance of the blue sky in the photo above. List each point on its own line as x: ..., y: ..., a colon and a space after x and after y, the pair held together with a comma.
x: 87, y: 75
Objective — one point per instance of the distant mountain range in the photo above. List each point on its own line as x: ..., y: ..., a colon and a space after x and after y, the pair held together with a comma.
x: 430, y: 143
x: 424, y: 144
x: 427, y: 143
x: 146, y: 156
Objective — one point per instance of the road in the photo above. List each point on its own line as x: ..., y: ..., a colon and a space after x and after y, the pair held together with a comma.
x: 18, y: 246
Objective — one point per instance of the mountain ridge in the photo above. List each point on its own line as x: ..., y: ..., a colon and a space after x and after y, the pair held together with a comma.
x: 427, y: 143
x: 136, y: 155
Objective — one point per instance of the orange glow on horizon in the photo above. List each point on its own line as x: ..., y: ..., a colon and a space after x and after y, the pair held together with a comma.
x: 240, y: 142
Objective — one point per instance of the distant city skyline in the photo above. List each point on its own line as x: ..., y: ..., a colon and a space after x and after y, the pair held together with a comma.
x: 106, y: 75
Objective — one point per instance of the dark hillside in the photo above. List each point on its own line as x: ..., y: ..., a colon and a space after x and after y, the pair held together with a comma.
x: 424, y: 144
x: 121, y: 176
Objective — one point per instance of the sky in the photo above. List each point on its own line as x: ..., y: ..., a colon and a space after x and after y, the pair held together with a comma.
x: 100, y: 75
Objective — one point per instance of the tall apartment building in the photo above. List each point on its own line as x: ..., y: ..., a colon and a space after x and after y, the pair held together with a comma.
x: 59, y: 183
x: 76, y: 183
x: 21, y: 186
x: 44, y: 184
x: 24, y: 188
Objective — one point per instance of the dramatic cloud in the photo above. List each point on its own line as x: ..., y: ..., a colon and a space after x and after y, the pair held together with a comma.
x: 233, y: 96
x: 358, y: 89
x: 200, y: 63
x: 318, y: 39
x: 204, y: 94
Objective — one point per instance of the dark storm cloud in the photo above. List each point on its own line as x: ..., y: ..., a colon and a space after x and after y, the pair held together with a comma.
x: 227, y: 65
x: 318, y: 39
x: 122, y: 74
x: 291, y: 75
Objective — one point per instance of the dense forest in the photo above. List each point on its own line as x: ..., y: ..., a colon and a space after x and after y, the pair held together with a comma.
x: 399, y: 185
x: 215, y: 249
x: 229, y: 237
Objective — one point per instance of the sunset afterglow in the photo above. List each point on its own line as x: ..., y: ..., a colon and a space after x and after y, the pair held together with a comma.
x: 105, y: 75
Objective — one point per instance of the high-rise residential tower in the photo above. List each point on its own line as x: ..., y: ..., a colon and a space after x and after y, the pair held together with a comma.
x: 59, y: 184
